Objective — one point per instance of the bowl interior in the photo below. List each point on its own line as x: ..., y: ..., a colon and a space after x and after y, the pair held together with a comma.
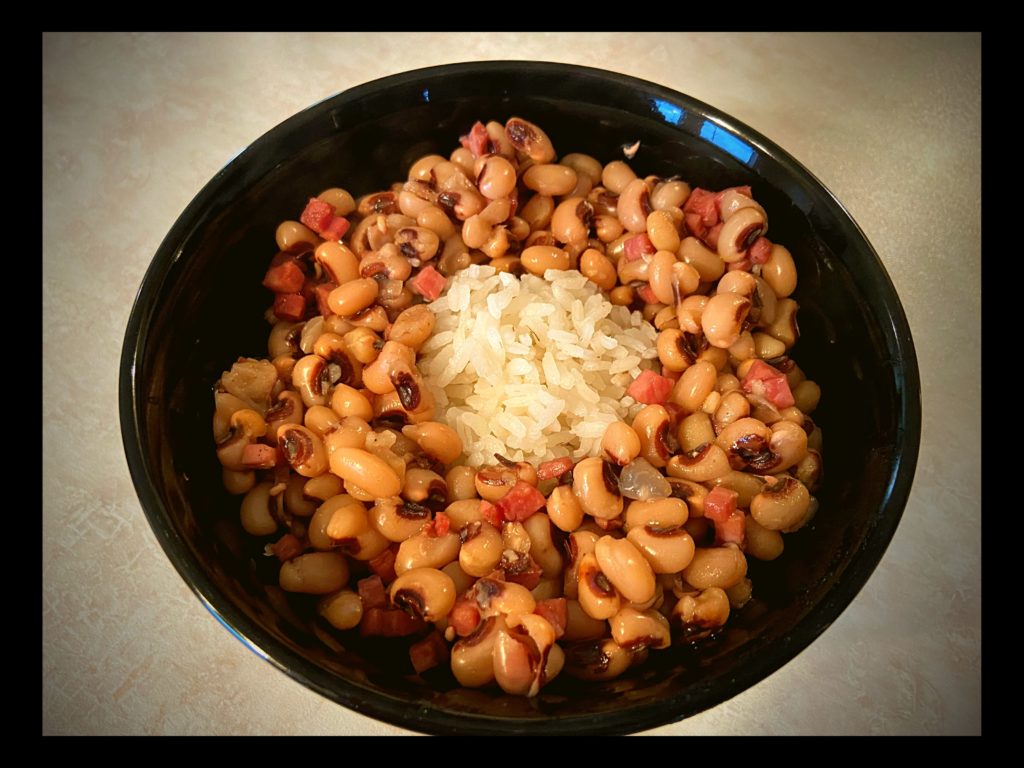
x: 201, y: 307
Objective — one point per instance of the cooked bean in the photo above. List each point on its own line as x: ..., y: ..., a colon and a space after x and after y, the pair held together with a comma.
x: 584, y: 165
x: 596, y: 267
x: 396, y: 520
x: 316, y: 573
x: 745, y: 484
x: 502, y: 597
x: 256, y: 514
x: 670, y: 194
x: 782, y: 506
x: 633, y: 629
x: 322, y: 487
x: 809, y: 470
x: 722, y: 319
x: 492, y: 483
x: 539, y: 258
x: 600, y: 660
x: 616, y: 176
x: 762, y: 543
x: 702, y: 613
x: 542, y: 547
x: 634, y: 206
x: 695, y: 430
x: 716, y: 567
x: 622, y: 296
x: 461, y: 483
x: 550, y: 179
x: 353, y: 297
x: 343, y: 610
x: 349, y: 530
x: 667, y: 549
x: 238, y: 482
x: 287, y: 410
x: 672, y: 351
x: 425, y: 550
x: 696, y: 383
x: 303, y: 450
x: 564, y: 508
x: 463, y: 512
x: 700, y: 465
x: 570, y: 223
x: 348, y: 401
x: 621, y: 443
x: 339, y: 199
x: 660, y: 513
x: 283, y: 339
x: 626, y: 568
x: 424, y: 592
x: 597, y: 596
x: 597, y: 488
x: 481, y: 548
x: 789, y: 443
x: 295, y: 237
x: 421, y: 168
x: 709, y: 265
x: 738, y: 282
x: 807, y: 394
x: 661, y: 228
x: 472, y: 657
x: 608, y: 228
x: 437, y: 440
x: 365, y: 470
x: 464, y: 159
x: 337, y: 261
x: 423, y: 486
x: 780, y: 271
x: 311, y: 377
x: 529, y: 139
x: 740, y: 232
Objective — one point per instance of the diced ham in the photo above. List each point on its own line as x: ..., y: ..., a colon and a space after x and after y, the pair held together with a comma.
x: 432, y: 651
x: 520, y: 502
x: 760, y: 250
x: 646, y: 293
x: 388, y: 622
x: 464, y: 616
x: 335, y: 229
x: 439, y: 526
x: 287, y: 547
x: 290, y: 306
x: 694, y: 225
x: 476, y: 141
x: 704, y: 203
x: 371, y: 591
x: 732, y: 530
x: 638, y: 246
x: 320, y: 293
x: 556, y: 611
x: 259, y: 456
x: 384, y: 565
x: 769, y: 383
x: 711, y: 236
x: 650, y: 388
x: 554, y: 468
x: 428, y: 283
x: 720, y: 503
x: 286, y: 277
x: 317, y: 215
x: 490, y: 513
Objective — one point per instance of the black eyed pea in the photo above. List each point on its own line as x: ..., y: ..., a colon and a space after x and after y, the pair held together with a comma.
x: 463, y: 581
x: 670, y: 194
x: 716, y: 567
x: 564, y: 509
x: 397, y: 520
x: 740, y: 232
x: 362, y: 344
x: 634, y: 206
x: 295, y: 237
x: 342, y: 610
x: 350, y: 433
x: 652, y: 425
x: 672, y: 350
x: 316, y: 573
x: 584, y: 165
x: 412, y: 327
x: 693, y: 387
x: 365, y: 470
x: 395, y: 359
x: 424, y: 486
x: 348, y: 401
x: 700, y: 465
x: 481, y: 548
x: 238, y: 482
x: 809, y: 471
x: 597, y: 268
x: 661, y: 228
x: 420, y: 170
x: 311, y: 376
x: 516, y: 670
x: 616, y: 176
x: 425, y: 592
x: 607, y: 227
x: 709, y: 265
x: 538, y: 258
x: 722, y: 318
x: 660, y: 513
x: 542, y: 547
x: 634, y: 629
x: 579, y: 626
x: 436, y: 440
x: 492, y: 483
x: 350, y: 531
x: 782, y: 506
x: 496, y: 178
x: 789, y: 443
x: 695, y: 430
x: 257, y: 511
x: 579, y: 543
x: 600, y: 660
x: 465, y: 160
x: 502, y: 597
x: 622, y: 296
x: 415, y: 197
x: 461, y: 481
x: 700, y: 614
x: 425, y: 550
x: 691, y: 492
x: 667, y: 549
x: 784, y: 327
x: 780, y: 271
x: 745, y: 484
x: 596, y: 487
x: 354, y: 296
x: 620, y: 443
x: 550, y: 179
x: 538, y: 212
x: 807, y: 395
x: 548, y: 588
x: 303, y: 450
x: 740, y: 594
x: 762, y: 543
x: 571, y: 220
x: 339, y: 199
x: 283, y: 339
x: 597, y: 596
x: 472, y: 657
x: 463, y: 512
x: 626, y: 568
x: 530, y: 140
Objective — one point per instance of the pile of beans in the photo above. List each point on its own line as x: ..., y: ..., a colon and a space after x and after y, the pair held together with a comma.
x: 513, y: 573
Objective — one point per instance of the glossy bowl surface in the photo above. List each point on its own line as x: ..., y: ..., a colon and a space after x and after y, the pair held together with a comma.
x: 201, y: 303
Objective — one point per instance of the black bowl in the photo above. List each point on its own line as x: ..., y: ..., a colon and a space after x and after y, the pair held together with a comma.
x: 200, y: 307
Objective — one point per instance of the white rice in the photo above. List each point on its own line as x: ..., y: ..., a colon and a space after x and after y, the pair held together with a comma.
x: 532, y: 368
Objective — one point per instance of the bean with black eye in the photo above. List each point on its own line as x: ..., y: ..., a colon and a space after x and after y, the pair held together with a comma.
x: 597, y: 596
x: 621, y: 443
x: 632, y: 628
x: 626, y: 568
x: 720, y: 567
x: 424, y: 592
x: 596, y: 487
x: 529, y: 139
x: 550, y: 179
x: 652, y: 425
x: 597, y: 268
x: 570, y: 222
x: 481, y: 548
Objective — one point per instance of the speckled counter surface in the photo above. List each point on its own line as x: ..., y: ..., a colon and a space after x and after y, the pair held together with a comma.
x: 135, y: 125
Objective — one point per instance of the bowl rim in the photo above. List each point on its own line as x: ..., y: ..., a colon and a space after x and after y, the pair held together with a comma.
x: 374, y: 703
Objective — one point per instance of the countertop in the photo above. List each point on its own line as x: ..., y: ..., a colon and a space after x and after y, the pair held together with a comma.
x: 135, y: 124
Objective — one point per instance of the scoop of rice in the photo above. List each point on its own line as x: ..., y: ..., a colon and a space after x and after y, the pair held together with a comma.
x: 532, y: 368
